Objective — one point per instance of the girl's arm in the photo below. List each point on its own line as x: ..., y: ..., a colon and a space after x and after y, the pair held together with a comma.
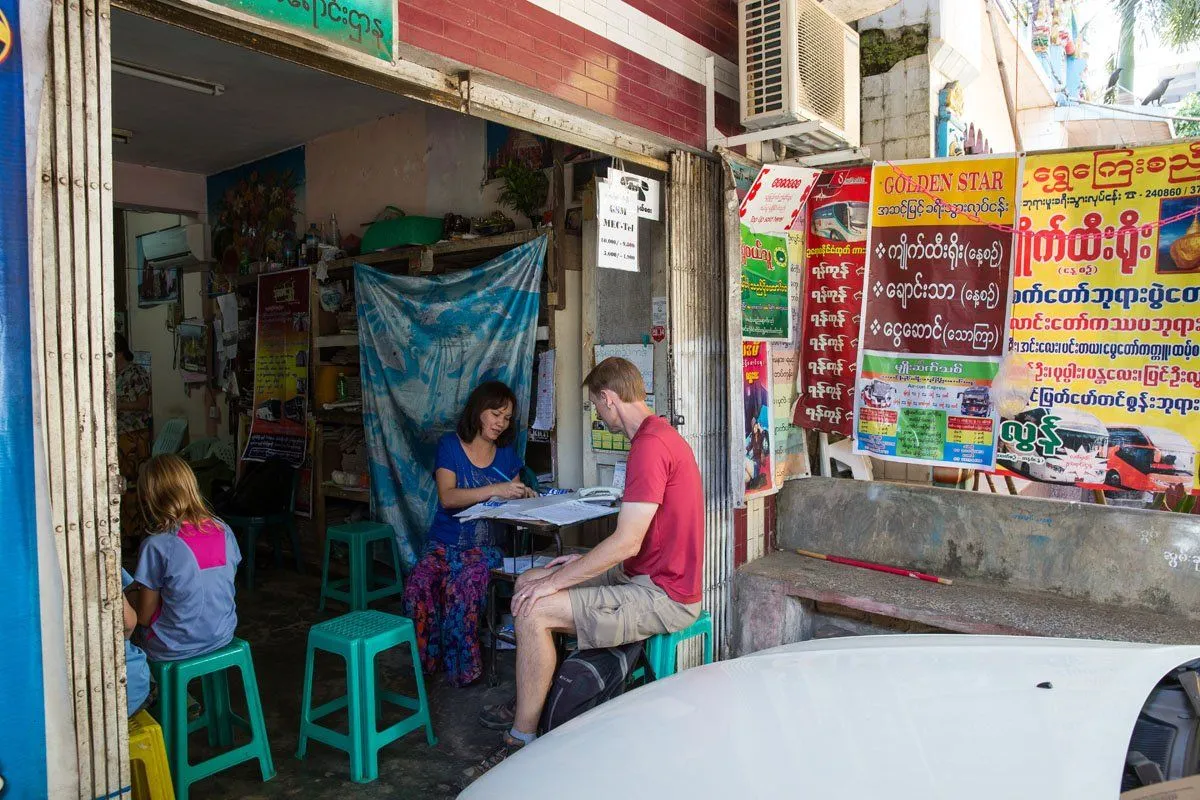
x: 451, y: 497
x: 131, y: 620
x: 146, y: 605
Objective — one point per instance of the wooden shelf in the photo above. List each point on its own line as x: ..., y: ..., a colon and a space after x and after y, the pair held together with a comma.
x: 339, y: 417
x: 338, y: 340
x: 452, y: 247
x: 342, y: 493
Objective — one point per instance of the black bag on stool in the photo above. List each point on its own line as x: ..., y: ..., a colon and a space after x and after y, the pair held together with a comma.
x: 586, y: 679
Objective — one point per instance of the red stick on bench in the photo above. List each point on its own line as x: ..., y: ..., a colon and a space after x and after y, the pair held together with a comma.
x: 850, y: 562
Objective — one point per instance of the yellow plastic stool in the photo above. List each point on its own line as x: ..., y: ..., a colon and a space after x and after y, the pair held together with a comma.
x: 149, y: 773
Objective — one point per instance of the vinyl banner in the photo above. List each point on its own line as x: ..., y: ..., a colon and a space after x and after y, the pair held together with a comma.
x: 1106, y: 310
x: 835, y: 260
x: 766, y: 306
x: 279, y: 427
x: 937, y: 290
x: 772, y: 207
x: 757, y: 404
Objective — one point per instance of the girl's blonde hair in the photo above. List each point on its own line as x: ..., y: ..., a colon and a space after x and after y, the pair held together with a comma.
x: 170, y: 495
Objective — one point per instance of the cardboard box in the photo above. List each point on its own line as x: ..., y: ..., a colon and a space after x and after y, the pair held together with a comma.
x: 1182, y: 789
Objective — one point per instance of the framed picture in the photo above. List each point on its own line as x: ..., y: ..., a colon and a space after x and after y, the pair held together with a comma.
x: 575, y: 220
x: 156, y: 285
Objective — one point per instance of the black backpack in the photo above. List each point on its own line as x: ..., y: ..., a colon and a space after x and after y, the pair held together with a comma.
x: 586, y: 679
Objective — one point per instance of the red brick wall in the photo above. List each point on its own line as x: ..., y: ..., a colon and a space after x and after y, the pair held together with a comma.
x: 712, y: 23
x: 524, y: 43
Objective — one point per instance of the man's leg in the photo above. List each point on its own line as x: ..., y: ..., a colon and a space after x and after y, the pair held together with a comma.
x: 536, y: 657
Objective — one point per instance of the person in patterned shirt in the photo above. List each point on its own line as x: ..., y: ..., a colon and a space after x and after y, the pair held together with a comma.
x: 133, y: 436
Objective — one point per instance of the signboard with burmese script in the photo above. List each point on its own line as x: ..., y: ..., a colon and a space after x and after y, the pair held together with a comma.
x: 935, y: 311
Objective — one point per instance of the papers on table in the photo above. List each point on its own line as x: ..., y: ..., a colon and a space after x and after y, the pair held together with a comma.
x: 572, y: 512
x: 556, y: 509
x: 515, y: 566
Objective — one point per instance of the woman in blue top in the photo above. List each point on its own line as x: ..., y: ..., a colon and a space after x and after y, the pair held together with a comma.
x: 447, y: 591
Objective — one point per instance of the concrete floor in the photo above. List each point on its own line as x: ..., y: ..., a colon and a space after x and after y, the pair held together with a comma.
x: 274, y: 619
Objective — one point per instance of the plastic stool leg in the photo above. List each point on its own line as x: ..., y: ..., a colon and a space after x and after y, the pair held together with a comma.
x: 361, y: 710
x: 306, y: 702
x: 368, y: 721
x: 708, y: 645
x: 325, y: 573
x: 222, y: 712
x: 423, y: 702
x: 396, y: 564
x: 358, y: 575
x: 254, y: 714
x: 178, y: 754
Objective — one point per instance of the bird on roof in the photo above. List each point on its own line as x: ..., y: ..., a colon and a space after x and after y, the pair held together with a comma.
x: 1113, y: 77
x: 1155, y: 96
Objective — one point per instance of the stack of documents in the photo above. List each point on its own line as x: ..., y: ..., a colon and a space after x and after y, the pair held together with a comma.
x: 560, y: 509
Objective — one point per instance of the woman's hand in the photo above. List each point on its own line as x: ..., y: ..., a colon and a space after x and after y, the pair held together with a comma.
x: 513, y: 490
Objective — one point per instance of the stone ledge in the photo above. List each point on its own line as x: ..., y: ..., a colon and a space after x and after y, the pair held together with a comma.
x: 764, y: 592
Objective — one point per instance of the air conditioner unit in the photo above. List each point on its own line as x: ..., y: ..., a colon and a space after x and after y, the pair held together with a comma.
x: 799, y: 63
x: 183, y: 247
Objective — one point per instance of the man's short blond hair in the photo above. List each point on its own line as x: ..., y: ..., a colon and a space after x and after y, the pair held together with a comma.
x: 619, y: 376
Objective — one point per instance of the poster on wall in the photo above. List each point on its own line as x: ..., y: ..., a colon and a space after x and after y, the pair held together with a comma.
x: 838, y: 211
x: 278, y: 425
x: 156, y: 285
x: 936, y: 309
x: 766, y: 304
x: 616, y: 227
x: 772, y: 208
x: 1106, y: 295
x: 757, y: 405
x: 791, y: 447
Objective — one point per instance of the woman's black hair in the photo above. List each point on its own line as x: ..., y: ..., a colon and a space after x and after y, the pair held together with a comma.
x: 487, y: 396
x: 122, y: 346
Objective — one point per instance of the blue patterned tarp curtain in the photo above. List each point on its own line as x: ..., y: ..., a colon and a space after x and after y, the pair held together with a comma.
x: 425, y: 343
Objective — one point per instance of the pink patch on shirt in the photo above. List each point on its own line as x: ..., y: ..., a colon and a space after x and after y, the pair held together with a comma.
x: 206, y: 542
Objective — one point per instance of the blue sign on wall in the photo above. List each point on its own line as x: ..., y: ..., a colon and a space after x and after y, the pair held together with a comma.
x: 22, y: 711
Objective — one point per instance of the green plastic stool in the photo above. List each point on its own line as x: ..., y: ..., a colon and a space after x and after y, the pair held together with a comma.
x: 359, y: 637
x: 357, y: 591
x: 660, y: 650
x: 173, y: 678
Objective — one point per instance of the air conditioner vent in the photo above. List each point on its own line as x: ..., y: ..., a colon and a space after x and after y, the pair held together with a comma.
x: 799, y: 63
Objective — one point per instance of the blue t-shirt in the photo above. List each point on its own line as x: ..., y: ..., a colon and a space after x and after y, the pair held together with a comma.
x: 193, y: 569
x: 450, y: 455
x: 137, y: 671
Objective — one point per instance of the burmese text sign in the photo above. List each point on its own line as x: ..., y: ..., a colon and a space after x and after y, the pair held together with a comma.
x: 1106, y: 311
x: 939, y: 269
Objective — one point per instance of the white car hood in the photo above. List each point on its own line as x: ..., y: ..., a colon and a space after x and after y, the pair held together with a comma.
x: 938, y: 716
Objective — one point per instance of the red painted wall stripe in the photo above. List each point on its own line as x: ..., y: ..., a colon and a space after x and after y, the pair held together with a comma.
x: 712, y: 23
x: 536, y: 48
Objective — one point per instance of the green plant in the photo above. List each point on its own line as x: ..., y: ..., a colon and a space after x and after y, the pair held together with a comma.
x: 1190, y: 107
x: 525, y: 189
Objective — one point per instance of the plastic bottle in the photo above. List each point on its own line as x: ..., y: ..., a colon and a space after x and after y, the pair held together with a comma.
x: 333, y: 232
x: 341, y: 386
x: 312, y: 244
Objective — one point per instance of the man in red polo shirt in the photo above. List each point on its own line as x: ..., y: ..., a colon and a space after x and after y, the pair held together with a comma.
x: 643, y: 580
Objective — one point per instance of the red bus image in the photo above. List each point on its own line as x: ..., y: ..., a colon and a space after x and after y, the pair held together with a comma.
x: 1147, y: 459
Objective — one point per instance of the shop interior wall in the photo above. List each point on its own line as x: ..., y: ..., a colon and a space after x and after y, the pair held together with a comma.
x: 148, y: 331
x: 426, y: 161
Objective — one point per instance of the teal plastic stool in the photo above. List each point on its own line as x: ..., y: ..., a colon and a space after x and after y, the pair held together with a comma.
x: 363, y: 586
x: 661, y: 649
x: 173, y: 678
x: 359, y: 637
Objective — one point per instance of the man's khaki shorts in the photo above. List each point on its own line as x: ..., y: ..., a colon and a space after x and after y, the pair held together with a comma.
x: 614, y: 609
